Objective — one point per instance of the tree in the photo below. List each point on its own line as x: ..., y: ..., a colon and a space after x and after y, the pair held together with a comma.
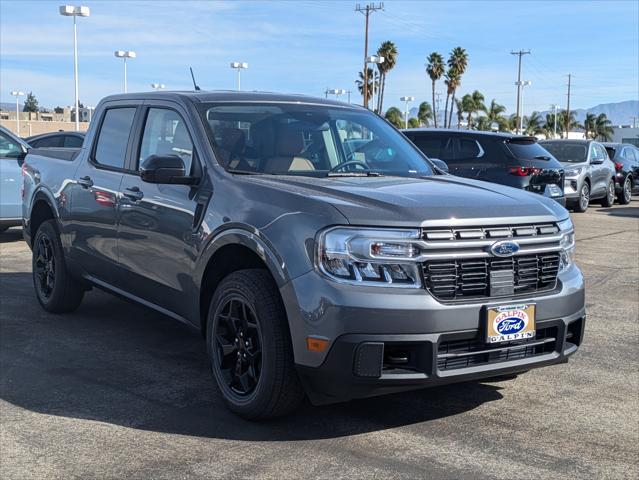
x: 435, y: 70
x: 590, y: 125
x: 414, y: 123
x: 424, y: 114
x: 561, y: 120
x: 369, y: 78
x: 452, y: 82
x: 31, y: 104
x: 457, y: 62
x: 473, y: 103
x: 483, y: 123
x: 459, y: 108
x: 394, y: 115
x: 388, y: 50
x: 533, y: 124
x: 603, y: 128
x: 494, y: 115
x: 549, y: 125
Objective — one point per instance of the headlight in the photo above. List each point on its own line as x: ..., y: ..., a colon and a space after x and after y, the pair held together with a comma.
x: 567, y: 242
x: 573, y: 172
x: 364, y: 256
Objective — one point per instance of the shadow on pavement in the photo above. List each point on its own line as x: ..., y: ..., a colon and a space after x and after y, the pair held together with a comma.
x: 119, y: 363
x: 11, y: 235
x: 620, y: 211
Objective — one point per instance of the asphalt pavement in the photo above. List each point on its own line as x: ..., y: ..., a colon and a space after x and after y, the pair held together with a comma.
x: 118, y: 391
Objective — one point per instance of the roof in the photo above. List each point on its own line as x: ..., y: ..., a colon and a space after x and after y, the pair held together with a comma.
x: 466, y: 132
x: 567, y: 140
x: 230, y: 96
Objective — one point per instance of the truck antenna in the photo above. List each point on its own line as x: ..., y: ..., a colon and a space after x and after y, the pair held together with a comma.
x: 195, y: 85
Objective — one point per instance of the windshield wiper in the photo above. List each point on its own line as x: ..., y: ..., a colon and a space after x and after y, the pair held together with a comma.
x: 354, y: 174
x: 246, y: 172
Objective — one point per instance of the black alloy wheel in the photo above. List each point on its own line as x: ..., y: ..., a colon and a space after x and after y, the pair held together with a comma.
x: 238, y: 351
x: 44, y: 266
x: 626, y: 192
x: 609, y: 199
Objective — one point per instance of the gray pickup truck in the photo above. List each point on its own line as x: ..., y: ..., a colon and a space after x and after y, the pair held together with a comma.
x: 316, y: 249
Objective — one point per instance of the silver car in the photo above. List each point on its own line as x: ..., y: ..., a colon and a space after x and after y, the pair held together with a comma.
x: 12, y: 153
x: 589, y: 173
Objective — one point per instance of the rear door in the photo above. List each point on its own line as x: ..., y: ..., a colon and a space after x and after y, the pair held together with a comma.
x: 600, y: 169
x: 435, y: 145
x: 93, y: 213
x: 159, y: 223
x: 10, y: 178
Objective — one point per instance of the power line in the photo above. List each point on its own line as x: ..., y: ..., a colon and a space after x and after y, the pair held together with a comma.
x: 366, y: 11
x: 520, y: 54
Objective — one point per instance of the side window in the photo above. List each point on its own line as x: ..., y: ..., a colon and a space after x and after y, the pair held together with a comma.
x: 601, y: 152
x: 165, y: 133
x: 469, y: 149
x: 441, y: 148
x: 114, y: 134
x: 47, y: 142
x: 593, y: 152
x: 71, y: 141
x: 9, y: 148
x: 634, y: 154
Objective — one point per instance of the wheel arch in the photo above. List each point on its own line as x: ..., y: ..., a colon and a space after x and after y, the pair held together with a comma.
x: 42, y: 209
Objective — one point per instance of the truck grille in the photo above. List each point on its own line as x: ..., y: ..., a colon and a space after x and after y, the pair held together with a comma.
x: 456, y: 354
x: 491, y: 277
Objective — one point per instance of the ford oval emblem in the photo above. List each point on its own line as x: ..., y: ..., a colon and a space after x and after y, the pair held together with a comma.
x: 505, y: 248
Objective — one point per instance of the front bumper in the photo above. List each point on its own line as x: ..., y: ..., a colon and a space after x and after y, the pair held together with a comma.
x: 368, y: 326
x: 572, y: 187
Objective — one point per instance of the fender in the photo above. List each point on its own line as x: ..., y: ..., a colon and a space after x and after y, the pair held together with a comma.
x: 241, y: 235
x: 40, y: 194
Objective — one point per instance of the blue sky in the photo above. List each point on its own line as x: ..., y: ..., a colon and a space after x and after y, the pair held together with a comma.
x: 306, y: 46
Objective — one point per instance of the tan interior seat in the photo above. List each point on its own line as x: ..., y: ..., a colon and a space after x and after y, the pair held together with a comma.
x: 288, y: 148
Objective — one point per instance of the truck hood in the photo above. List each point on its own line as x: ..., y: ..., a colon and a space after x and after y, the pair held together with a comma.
x: 398, y: 201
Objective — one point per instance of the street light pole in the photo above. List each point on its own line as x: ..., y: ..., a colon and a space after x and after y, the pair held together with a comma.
x: 125, y: 54
x: 406, y: 100
x: 71, y: 11
x: 239, y: 66
x: 520, y: 107
x: 554, y: 108
x: 17, y: 94
x: 377, y: 60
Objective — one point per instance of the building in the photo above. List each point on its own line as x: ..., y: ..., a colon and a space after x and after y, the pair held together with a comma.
x: 45, y: 121
x: 626, y: 134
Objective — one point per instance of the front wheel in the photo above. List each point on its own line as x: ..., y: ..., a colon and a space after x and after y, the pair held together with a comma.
x: 609, y: 199
x: 626, y: 192
x: 584, y: 198
x: 56, y: 290
x: 249, y: 345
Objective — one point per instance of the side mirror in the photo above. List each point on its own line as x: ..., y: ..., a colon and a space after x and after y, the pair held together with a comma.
x: 596, y: 161
x: 440, y: 164
x: 165, y: 169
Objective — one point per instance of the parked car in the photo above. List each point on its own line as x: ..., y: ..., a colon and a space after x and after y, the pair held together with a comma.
x: 309, y: 267
x: 513, y: 160
x: 57, y: 139
x: 12, y: 153
x: 589, y: 172
x: 626, y: 159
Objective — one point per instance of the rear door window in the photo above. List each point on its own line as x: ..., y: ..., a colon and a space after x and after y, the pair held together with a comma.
x: 469, y: 149
x: 113, y: 139
x: 73, y: 141
x: 47, y: 142
x: 437, y: 147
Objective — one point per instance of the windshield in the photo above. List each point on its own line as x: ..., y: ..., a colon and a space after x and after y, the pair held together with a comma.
x: 309, y: 140
x: 567, y: 152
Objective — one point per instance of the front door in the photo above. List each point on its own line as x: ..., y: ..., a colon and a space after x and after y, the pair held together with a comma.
x: 91, y: 225
x: 158, y: 225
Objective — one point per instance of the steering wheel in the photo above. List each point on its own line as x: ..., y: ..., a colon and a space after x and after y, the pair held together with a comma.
x: 339, y: 167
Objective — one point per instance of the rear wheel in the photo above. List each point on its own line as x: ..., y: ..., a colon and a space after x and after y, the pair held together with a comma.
x: 609, y: 199
x: 584, y: 198
x: 249, y: 346
x: 55, y: 289
x: 626, y: 192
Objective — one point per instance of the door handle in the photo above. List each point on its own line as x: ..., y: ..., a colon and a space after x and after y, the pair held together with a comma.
x: 85, y: 182
x: 133, y: 193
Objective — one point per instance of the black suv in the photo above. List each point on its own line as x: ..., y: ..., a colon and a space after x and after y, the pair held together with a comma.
x: 626, y: 160
x: 513, y: 160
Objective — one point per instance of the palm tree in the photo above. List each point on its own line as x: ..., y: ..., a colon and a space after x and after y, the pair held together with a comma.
x: 483, y: 123
x: 369, y: 78
x: 460, y: 108
x: 395, y: 116
x: 458, y: 62
x: 494, y: 115
x: 414, y: 123
x: 549, y: 125
x: 533, y: 124
x: 435, y: 70
x: 473, y: 103
x: 512, y: 122
x: 424, y: 114
x: 590, y: 125
x: 452, y: 82
x: 603, y: 128
x: 388, y: 50
x: 572, y: 123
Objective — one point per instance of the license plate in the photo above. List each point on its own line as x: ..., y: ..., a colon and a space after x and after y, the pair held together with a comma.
x: 553, y: 191
x: 510, y: 322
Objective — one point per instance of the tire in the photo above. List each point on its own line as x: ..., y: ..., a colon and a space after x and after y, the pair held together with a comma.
x: 626, y: 191
x: 584, y: 198
x: 609, y: 199
x: 56, y: 290
x: 249, y: 345
x: 3, y: 229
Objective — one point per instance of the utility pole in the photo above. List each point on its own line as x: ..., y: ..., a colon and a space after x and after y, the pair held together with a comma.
x: 366, y: 11
x: 568, y: 106
x: 634, y: 121
x: 520, y: 53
